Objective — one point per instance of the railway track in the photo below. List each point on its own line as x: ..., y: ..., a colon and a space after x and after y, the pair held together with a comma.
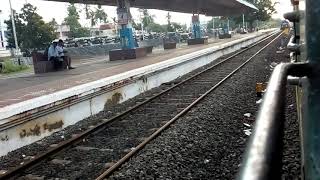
x: 101, y: 150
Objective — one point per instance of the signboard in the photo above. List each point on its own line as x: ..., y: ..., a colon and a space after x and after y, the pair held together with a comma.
x: 195, y: 19
x: 123, y: 18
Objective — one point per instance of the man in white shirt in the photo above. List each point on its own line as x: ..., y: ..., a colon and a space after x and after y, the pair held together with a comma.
x: 52, y: 52
x: 54, y: 56
x: 61, y: 54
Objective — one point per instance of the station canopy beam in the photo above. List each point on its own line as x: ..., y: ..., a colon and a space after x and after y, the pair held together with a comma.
x: 206, y: 7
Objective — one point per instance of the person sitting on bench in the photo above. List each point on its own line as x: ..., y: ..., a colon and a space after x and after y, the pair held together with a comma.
x: 61, y: 54
x: 53, y: 55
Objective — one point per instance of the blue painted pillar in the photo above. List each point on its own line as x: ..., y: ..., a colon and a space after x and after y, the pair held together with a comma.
x: 124, y: 22
x: 196, y: 29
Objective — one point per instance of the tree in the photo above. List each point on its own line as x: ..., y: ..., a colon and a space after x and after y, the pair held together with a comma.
x: 154, y: 27
x: 266, y: 9
x: 96, y: 15
x: 147, y: 18
x: 32, y: 31
x: 101, y: 15
x: 53, y: 22
x: 176, y: 26
x: 170, y: 28
x: 72, y: 20
x: 19, y: 30
x: 218, y: 22
x: 136, y: 26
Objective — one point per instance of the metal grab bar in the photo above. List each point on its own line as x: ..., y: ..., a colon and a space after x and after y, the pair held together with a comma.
x: 263, y: 155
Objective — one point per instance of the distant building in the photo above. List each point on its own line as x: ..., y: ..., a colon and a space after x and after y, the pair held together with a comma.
x: 103, y: 30
x: 62, y: 31
x: 95, y: 31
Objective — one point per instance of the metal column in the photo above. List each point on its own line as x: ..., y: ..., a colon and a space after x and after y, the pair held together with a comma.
x: 124, y: 23
x: 196, y: 29
x: 312, y: 113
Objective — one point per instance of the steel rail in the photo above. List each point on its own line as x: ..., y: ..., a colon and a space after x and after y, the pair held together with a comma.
x: 138, y: 148
x: 78, y: 138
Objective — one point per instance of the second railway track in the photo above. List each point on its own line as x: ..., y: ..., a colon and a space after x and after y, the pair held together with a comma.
x: 99, y: 151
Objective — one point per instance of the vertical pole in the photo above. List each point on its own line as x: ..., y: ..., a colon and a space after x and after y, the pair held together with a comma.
x: 213, y: 22
x: 60, y: 28
x: 142, y: 28
x: 311, y: 118
x: 214, y: 33
x: 1, y: 32
x: 14, y: 28
x: 228, y: 25
x: 243, y: 21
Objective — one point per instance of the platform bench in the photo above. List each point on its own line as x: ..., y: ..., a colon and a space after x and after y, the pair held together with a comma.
x: 42, y: 65
x: 169, y: 45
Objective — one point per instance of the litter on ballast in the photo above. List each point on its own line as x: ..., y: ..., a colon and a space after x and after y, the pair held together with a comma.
x: 247, y: 132
x: 259, y: 101
x: 247, y: 125
x: 247, y: 115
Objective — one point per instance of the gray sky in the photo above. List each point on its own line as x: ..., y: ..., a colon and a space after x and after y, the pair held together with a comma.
x: 58, y: 10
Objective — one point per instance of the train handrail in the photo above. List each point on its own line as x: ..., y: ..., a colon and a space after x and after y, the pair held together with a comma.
x: 263, y: 157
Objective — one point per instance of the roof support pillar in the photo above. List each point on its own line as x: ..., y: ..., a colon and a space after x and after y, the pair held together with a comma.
x: 196, y: 28
x: 124, y: 24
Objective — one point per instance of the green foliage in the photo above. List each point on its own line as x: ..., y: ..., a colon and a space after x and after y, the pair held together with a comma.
x: 218, y: 22
x: 178, y: 27
x: 19, y: 30
x: 272, y: 23
x: 266, y: 9
x: 150, y: 25
x: 32, y: 31
x: 155, y: 27
x: 72, y: 20
x: 136, y: 26
x: 97, y: 15
x: 147, y: 18
x: 174, y: 27
x: 169, y: 26
x: 101, y: 15
x: 9, y: 67
x: 53, y: 22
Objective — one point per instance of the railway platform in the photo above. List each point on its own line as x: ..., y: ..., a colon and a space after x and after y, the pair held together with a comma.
x: 17, y: 89
x: 35, y: 106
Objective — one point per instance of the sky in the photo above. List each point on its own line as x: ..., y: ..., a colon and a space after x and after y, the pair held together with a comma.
x: 58, y: 10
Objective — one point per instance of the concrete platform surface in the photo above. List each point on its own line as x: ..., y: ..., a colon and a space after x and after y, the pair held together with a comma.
x: 15, y: 90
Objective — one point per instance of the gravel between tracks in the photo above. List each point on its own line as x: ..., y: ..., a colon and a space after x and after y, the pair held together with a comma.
x: 208, y: 142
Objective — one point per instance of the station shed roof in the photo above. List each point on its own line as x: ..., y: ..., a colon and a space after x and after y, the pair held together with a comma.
x: 206, y: 7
